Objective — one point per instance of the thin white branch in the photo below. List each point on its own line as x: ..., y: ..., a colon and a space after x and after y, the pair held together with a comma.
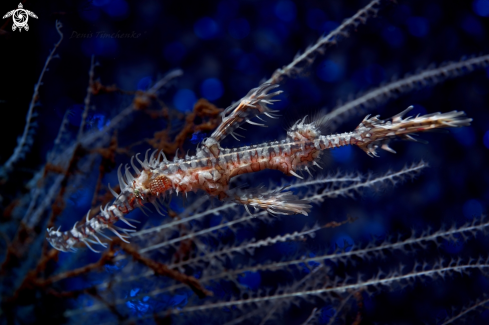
x: 303, y: 60
x: 26, y: 138
x: 466, y: 311
x: 87, y: 98
x: 369, y: 183
x: 384, y: 93
x: 343, y: 287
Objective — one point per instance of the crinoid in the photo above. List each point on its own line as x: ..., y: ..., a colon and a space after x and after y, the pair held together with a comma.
x: 211, y: 224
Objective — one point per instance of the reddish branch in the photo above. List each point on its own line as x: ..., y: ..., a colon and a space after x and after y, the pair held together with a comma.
x: 204, y: 117
x: 107, y: 164
x: 32, y: 281
x: 58, y: 206
x: 161, y: 269
x: 204, y: 111
x: 334, y: 224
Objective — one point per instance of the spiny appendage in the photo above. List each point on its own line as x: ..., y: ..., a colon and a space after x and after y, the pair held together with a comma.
x: 375, y: 133
x: 253, y: 104
x: 274, y: 202
x: 146, y: 186
x: 302, y: 131
x: 134, y: 193
x: 86, y: 232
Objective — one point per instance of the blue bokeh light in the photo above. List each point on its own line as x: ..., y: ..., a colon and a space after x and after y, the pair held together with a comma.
x: 179, y: 300
x: 374, y: 74
x: 432, y: 191
x: 249, y: 64
x: 197, y: 137
x: 342, y: 243
x: 481, y: 7
x: 211, y: 88
x: 117, y: 9
x: 137, y: 307
x: 206, y: 28
x: 271, y: 36
x: 100, y: 46
x: 134, y: 292
x: 100, y: 3
x: 373, y: 229
x: 418, y: 26
x: 329, y: 26
x: 329, y: 71
x: 184, y: 100
x: 485, y: 139
x: 285, y: 10
x: 239, y: 28
x: 315, y: 18
x: 174, y: 52
x: 311, y: 264
x: 98, y: 120
x: 472, y: 25
x: 227, y: 8
x: 91, y: 14
x: 144, y: 83
x: 326, y: 314
x: 465, y: 136
x: 472, y: 209
x: 281, y: 32
x: 251, y: 280
x: 393, y: 36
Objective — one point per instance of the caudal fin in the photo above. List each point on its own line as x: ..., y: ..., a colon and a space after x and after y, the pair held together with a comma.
x: 376, y: 133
